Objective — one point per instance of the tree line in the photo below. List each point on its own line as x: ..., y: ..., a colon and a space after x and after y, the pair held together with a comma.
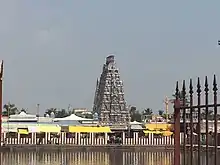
x: 60, y: 113
x: 11, y: 109
x: 135, y: 114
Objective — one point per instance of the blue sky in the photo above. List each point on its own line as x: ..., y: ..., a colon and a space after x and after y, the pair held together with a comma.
x: 54, y: 50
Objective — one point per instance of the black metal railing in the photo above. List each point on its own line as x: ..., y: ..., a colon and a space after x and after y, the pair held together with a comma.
x: 192, y: 131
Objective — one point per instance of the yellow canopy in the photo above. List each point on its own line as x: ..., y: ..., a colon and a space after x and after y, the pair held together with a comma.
x: 167, y: 133
x: 23, y: 131
x: 158, y: 126
x: 53, y: 129
x: 89, y: 129
x: 164, y: 133
x: 153, y: 132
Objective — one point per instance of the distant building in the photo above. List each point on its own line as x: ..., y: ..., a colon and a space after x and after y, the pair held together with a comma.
x: 188, y: 118
x: 83, y: 112
x: 80, y: 110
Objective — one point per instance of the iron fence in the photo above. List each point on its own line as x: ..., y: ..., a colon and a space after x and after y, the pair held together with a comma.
x: 194, y: 140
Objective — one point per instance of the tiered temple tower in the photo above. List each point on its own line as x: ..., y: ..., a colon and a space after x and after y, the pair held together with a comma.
x: 109, y: 102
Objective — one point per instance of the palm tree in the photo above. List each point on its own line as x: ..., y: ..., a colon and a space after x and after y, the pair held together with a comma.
x: 9, y: 109
x: 147, y: 114
x: 147, y: 111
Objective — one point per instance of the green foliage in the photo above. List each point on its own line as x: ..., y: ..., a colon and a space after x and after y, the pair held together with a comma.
x: 161, y: 112
x: 135, y: 114
x: 140, y: 116
x: 57, y: 113
x: 9, y: 109
x: 148, y: 112
x: 62, y: 113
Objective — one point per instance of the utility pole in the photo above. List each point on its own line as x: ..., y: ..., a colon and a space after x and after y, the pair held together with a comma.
x: 166, y: 104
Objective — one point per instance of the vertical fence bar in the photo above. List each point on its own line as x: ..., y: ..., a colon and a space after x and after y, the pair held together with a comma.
x: 184, y: 122
x: 215, y: 117
x: 199, y: 120
x: 191, y: 121
x: 1, y: 95
x: 206, y: 118
x: 177, y: 127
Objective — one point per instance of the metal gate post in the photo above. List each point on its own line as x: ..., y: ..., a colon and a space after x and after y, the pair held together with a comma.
x: 1, y: 106
x: 177, y: 128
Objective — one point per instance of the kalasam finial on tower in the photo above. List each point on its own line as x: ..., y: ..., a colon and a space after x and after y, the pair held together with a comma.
x: 110, y: 59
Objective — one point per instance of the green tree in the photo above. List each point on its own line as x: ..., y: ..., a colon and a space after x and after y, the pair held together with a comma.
x: 57, y: 113
x: 51, y: 110
x: 147, y: 114
x: 161, y: 112
x: 133, y: 110
x: 62, y: 113
x: 148, y: 111
x: 135, y: 114
x: 9, y: 109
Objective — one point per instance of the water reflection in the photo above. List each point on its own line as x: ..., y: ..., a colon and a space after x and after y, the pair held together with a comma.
x: 90, y: 158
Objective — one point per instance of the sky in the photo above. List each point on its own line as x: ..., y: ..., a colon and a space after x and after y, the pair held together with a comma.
x: 54, y: 50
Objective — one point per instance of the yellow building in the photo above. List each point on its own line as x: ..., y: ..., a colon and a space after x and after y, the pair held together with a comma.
x: 159, y: 128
